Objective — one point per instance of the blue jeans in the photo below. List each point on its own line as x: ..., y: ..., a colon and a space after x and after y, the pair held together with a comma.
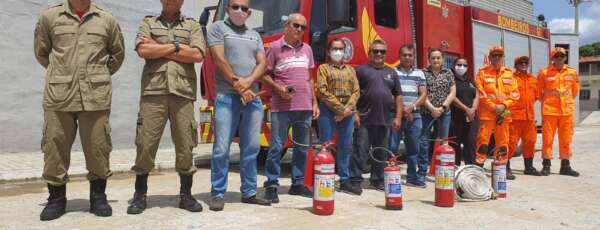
x: 411, y: 131
x: 345, y: 127
x: 230, y: 115
x: 442, y: 127
x: 300, y: 121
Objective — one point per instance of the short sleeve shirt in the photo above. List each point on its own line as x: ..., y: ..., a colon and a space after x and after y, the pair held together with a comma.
x: 410, y: 83
x: 291, y: 66
x: 241, y: 47
x: 378, y: 87
x: 438, y: 86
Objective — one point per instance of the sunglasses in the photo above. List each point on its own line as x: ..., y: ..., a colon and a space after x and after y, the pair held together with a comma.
x: 559, y: 56
x: 298, y: 26
x: 337, y: 48
x: 462, y: 65
x: 379, y: 52
x: 523, y: 63
x: 238, y: 7
x: 496, y: 56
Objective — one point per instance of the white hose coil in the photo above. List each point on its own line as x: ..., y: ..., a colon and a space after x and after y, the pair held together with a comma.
x: 472, y: 184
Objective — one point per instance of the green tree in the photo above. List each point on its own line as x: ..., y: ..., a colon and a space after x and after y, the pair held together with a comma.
x: 590, y: 50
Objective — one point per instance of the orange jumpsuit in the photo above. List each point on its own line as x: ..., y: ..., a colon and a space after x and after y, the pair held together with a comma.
x: 495, y: 87
x: 523, y: 116
x: 558, y: 89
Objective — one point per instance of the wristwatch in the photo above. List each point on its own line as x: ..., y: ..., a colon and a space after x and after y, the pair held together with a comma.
x: 177, y: 47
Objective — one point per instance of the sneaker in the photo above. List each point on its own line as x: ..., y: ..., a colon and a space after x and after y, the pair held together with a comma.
x: 377, y: 186
x: 416, y: 184
x: 348, y: 187
x: 300, y: 190
x: 216, y: 204
x: 256, y: 200
x: 271, y: 195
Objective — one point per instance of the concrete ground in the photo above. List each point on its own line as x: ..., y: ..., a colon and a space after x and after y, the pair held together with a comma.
x: 553, y: 202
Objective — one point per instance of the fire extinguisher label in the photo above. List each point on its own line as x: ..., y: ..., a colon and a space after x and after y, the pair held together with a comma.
x: 393, y: 185
x: 444, y: 176
x: 499, y: 179
x: 325, y: 168
x: 446, y: 158
x: 324, y: 187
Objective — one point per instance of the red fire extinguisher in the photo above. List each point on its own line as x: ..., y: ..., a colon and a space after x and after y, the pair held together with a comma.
x: 393, y: 186
x: 324, y: 181
x: 499, y: 177
x: 444, y: 176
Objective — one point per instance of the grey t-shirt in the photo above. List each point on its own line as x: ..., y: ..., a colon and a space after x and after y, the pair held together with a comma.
x: 241, y: 46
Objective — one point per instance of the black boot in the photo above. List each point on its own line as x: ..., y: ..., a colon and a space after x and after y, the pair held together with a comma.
x: 271, y: 195
x: 509, y: 174
x: 529, y: 169
x: 138, y: 203
x: 57, y: 203
x: 187, y: 201
x: 98, y: 203
x: 565, y: 169
x: 546, y: 167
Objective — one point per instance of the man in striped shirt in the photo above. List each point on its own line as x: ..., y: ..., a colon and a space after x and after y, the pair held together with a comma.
x: 412, y: 82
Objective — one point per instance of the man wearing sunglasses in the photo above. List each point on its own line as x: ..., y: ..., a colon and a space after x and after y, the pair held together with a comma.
x: 240, y: 60
x: 498, y: 91
x: 558, y: 85
x: 380, y: 91
x: 523, y: 118
x: 294, y: 104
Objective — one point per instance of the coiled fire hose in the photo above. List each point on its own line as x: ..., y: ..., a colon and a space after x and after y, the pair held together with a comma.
x: 472, y: 184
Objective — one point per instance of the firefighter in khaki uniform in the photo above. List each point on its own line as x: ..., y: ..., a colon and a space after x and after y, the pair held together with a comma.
x: 558, y: 85
x: 81, y: 46
x: 171, y: 44
x: 498, y: 91
x: 523, y: 117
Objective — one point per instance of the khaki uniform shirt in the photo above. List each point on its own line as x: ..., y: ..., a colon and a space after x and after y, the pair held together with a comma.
x: 79, y: 55
x: 164, y: 76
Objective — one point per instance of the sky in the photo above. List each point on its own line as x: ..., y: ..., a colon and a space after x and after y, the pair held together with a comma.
x: 560, y: 17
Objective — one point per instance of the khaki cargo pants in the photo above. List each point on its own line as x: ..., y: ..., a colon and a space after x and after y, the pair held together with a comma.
x: 59, y: 133
x: 152, y: 118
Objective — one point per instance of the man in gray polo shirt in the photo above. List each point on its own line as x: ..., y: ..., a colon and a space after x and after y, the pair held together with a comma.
x: 240, y: 59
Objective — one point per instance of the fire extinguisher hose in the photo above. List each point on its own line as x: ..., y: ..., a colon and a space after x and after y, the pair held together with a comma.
x: 472, y: 184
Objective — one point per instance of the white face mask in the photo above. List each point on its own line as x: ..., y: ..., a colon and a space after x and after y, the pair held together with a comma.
x: 336, y: 55
x: 460, y: 70
x: 238, y: 17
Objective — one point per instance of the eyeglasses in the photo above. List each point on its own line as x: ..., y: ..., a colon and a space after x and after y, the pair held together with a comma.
x: 298, y: 26
x: 379, y: 52
x: 238, y: 7
x: 523, y: 63
x: 462, y: 65
x: 496, y: 56
x: 559, y: 56
x: 337, y: 48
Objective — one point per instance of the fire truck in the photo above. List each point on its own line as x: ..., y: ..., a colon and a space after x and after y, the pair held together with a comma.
x: 460, y: 28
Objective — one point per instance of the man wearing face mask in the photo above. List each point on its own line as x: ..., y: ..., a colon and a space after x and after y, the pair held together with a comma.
x: 170, y: 44
x: 523, y: 118
x: 499, y: 91
x: 338, y: 92
x: 240, y: 60
x: 289, y: 63
x: 558, y: 85
x: 463, y: 125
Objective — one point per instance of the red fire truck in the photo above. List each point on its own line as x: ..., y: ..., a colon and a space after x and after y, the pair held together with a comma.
x: 457, y: 28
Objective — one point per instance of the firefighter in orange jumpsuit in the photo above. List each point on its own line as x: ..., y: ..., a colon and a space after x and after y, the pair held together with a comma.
x: 558, y: 86
x: 498, y: 90
x: 522, y: 126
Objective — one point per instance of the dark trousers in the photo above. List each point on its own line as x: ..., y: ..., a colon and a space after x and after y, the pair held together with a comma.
x: 367, y: 137
x: 465, y: 134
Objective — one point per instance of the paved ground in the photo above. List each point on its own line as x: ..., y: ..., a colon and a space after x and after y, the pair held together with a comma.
x: 554, y: 202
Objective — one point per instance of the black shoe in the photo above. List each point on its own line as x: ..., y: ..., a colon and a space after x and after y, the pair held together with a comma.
x: 377, y: 186
x: 57, y: 203
x: 565, y: 169
x: 271, y: 195
x: 416, y: 184
x: 216, y: 204
x: 187, y: 201
x: 509, y: 174
x: 256, y: 200
x: 546, y: 167
x: 98, y: 203
x: 529, y: 169
x: 138, y: 204
x: 300, y: 190
x: 348, y: 187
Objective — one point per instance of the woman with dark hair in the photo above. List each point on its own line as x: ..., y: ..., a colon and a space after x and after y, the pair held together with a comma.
x: 463, y: 123
x: 338, y: 92
x: 441, y: 91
